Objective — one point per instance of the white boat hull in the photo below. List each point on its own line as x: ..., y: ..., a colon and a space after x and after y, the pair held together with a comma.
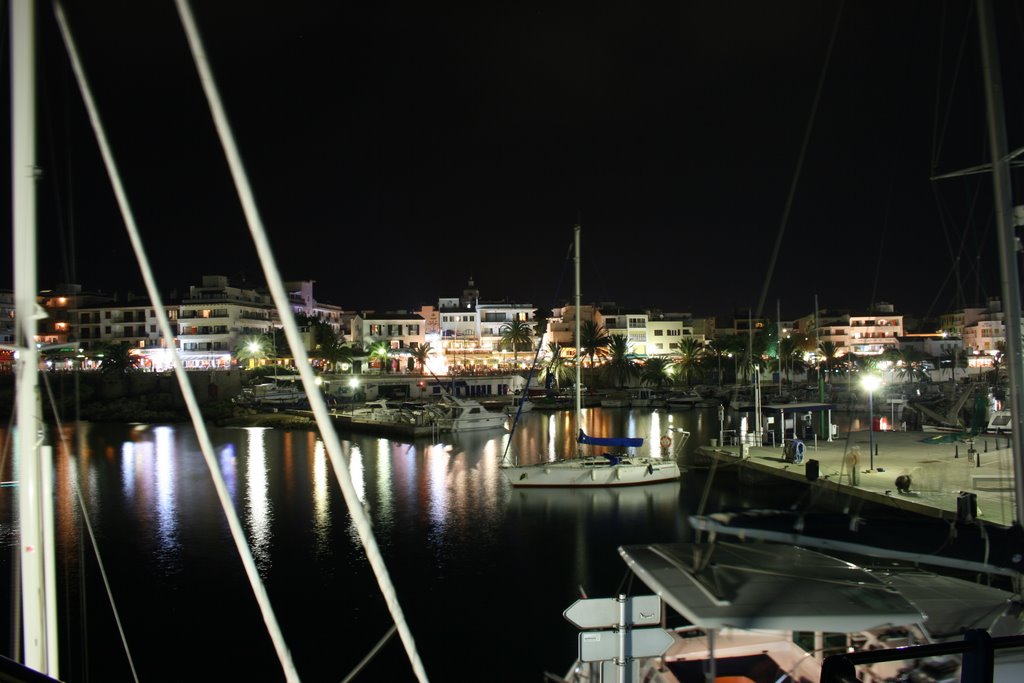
x: 593, y: 472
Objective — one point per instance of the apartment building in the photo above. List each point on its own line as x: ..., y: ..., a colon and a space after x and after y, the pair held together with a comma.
x: 214, y: 319
x: 401, y: 331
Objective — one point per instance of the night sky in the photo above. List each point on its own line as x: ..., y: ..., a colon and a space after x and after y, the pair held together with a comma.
x: 397, y: 149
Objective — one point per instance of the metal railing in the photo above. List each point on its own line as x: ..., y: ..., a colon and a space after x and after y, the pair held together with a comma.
x: 978, y: 650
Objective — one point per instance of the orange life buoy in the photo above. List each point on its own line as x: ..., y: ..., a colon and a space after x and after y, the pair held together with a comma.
x: 666, y: 441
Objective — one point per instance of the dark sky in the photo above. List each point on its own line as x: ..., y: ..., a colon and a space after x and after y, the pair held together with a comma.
x: 398, y: 148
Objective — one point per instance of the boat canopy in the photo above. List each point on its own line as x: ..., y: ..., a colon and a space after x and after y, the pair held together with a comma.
x: 622, y: 442
x: 767, y: 586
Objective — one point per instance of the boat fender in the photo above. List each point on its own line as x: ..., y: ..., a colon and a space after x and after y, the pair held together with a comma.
x: 666, y: 441
x: 650, y: 467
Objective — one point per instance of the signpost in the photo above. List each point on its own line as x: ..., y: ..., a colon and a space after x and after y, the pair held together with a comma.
x: 619, y: 649
x: 641, y: 610
x: 596, y: 646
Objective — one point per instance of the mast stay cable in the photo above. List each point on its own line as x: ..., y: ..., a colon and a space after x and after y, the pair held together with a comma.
x: 203, y: 437
x: 339, y: 462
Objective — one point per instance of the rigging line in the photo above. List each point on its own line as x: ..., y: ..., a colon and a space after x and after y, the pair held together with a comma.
x: 203, y: 437
x: 360, y: 518
x: 370, y: 655
x: 939, y: 130
x: 800, y: 162
x: 89, y: 530
x: 536, y: 356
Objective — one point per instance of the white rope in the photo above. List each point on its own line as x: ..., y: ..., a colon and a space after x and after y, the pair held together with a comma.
x: 205, y: 445
x: 280, y: 297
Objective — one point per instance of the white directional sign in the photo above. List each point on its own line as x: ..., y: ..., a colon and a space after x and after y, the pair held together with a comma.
x: 641, y: 610
x: 596, y: 646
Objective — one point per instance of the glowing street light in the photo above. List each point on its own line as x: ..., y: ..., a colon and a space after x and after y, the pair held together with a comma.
x: 871, y: 384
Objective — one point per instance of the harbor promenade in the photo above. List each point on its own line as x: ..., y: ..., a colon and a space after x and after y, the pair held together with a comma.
x: 940, y: 470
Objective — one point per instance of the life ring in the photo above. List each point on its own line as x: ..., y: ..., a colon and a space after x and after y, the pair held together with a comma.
x: 666, y: 441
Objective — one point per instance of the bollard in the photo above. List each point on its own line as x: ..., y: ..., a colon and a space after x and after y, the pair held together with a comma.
x: 956, y: 450
x: 986, y: 445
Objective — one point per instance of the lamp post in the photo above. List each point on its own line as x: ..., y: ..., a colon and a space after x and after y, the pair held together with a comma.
x: 871, y: 384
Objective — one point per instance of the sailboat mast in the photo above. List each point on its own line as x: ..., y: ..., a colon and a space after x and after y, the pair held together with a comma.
x: 1010, y: 281
x: 579, y: 360
x: 34, y: 467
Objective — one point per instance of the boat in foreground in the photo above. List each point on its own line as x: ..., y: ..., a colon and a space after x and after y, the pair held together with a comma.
x: 745, y: 603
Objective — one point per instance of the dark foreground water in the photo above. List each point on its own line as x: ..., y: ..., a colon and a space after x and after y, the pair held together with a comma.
x: 482, y: 571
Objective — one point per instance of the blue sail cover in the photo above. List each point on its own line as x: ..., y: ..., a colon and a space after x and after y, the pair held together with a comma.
x: 624, y: 441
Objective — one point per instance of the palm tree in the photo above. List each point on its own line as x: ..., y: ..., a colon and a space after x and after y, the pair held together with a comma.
x: 655, y: 371
x: 422, y: 354
x: 117, y: 358
x: 382, y: 351
x: 335, y: 352
x: 906, y: 364
x: 252, y: 348
x: 517, y: 334
x: 714, y: 350
x: 953, y: 357
x: 690, y: 352
x: 594, y: 340
x: 620, y: 368
x: 827, y: 353
x: 791, y: 355
x: 555, y: 368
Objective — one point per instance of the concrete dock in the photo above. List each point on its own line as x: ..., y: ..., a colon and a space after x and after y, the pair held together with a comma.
x: 940, y: 469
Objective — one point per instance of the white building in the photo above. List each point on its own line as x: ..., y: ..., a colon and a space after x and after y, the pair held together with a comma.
x: 401, y: 331
x: 134, y: 323
x: 215, y: 317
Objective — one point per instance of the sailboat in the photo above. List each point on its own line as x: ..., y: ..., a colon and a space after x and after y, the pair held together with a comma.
x: 622, y: 468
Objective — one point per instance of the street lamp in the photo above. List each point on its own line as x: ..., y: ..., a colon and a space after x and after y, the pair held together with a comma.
x: 871, y: 384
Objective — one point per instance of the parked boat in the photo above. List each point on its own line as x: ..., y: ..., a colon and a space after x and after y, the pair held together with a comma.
x: 279, y: 391
x: 615, y: 399
x: 621, y: 468
x: 460, y: 414
x: 1001, y: 422
x: 646, y: 398
x: 519, y: 405
x: 684, y: 400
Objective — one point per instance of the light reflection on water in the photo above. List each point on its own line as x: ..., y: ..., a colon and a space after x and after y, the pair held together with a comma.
x: 450, y: 526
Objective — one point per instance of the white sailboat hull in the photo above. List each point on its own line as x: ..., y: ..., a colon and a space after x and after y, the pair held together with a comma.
x: 593, y: 472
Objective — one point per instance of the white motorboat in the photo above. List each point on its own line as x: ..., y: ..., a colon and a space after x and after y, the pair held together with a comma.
x: 646, y: 398
x: 461, y: 414
x: 519, y: 405
x: 617, y: 399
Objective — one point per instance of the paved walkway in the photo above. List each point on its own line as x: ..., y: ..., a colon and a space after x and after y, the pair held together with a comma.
x: 939, y: 470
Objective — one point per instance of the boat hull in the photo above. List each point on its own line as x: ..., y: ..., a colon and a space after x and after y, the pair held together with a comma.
x: 592, y: 472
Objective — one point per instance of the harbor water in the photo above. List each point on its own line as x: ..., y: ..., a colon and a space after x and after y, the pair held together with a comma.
x: 482, y: 571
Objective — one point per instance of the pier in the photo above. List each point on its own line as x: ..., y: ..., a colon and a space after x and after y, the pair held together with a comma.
x: 941, y: 469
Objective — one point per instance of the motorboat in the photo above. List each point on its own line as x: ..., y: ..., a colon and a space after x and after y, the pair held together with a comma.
x: 460, y: 414
x: 615, y: 399
x: 519, y: 405
x: 646, y: 398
